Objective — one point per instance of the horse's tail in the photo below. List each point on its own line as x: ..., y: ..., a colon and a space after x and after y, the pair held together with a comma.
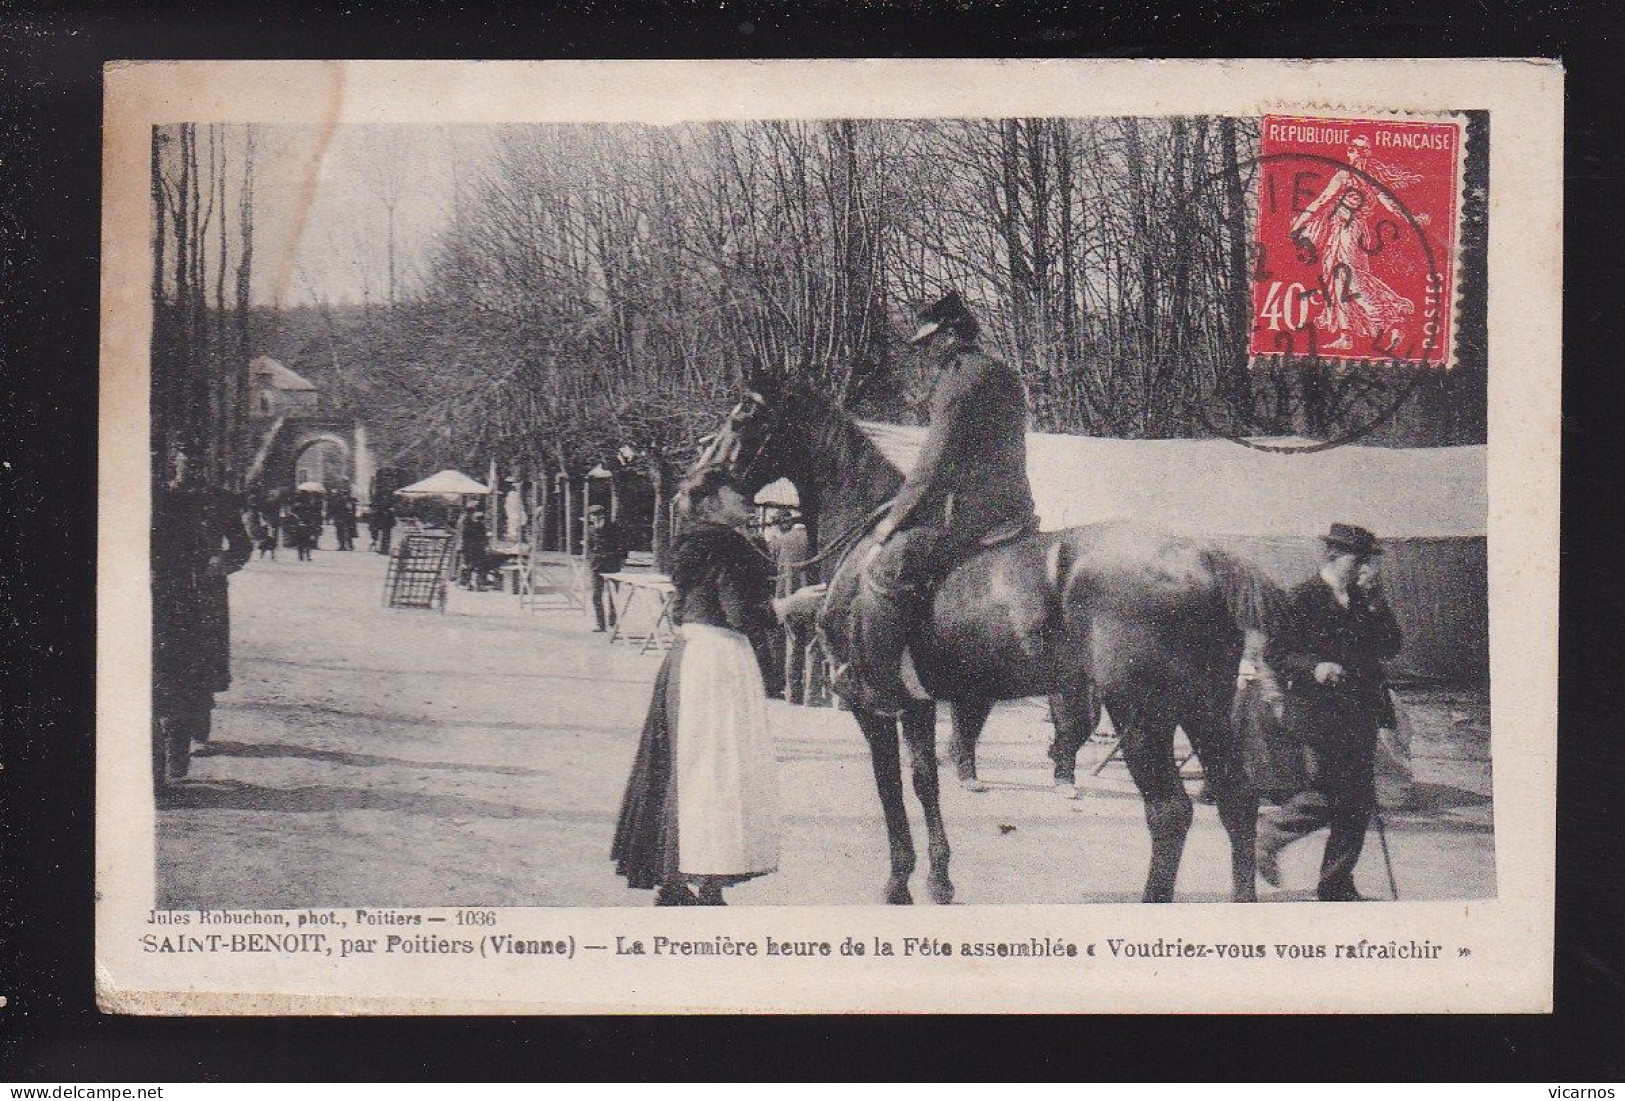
x: 1252, y: 600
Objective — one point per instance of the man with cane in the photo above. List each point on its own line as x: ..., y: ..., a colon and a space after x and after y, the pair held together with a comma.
x: 1329, y: 649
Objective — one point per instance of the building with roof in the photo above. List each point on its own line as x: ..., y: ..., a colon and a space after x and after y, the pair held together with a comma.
x: 298, y: 437
x: 275, y: 390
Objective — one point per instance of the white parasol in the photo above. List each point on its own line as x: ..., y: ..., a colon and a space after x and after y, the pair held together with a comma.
x: 447, y: 483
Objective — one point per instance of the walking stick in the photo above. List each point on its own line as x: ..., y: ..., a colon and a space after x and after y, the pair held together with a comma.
x: 1387, y: 861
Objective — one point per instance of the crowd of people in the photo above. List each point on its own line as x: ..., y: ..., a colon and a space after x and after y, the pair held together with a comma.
x: 295, y: 520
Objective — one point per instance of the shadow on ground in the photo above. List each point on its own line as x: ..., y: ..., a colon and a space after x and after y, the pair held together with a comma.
x: 361, y: 760
x: 317, y: 799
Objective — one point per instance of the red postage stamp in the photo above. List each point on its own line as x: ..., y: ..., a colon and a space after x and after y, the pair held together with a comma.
x: 1356, y: 239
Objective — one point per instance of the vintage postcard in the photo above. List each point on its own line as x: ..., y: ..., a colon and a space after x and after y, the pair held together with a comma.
x: 976, y: 535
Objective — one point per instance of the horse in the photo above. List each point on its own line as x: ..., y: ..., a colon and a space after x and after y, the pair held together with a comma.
x: 1151, y: 624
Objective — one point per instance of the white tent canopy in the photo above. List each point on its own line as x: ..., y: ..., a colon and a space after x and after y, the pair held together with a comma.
x: 1429, y: 506
x: 1219, y: 487
x: 447, y: 483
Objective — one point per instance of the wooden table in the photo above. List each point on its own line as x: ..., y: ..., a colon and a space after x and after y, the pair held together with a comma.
x: 625, y: 587
x: 552, y: 573
x: 507, y: 560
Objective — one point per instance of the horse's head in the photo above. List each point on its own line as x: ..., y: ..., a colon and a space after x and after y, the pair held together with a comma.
x: 751, y: 444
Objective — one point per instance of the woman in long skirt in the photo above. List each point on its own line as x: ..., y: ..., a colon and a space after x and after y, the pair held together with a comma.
x: 701, y: 806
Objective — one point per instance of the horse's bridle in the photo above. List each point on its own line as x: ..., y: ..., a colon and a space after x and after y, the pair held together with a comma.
x: 723, y: 448
x: 712, y: 457
x: 759, y: 405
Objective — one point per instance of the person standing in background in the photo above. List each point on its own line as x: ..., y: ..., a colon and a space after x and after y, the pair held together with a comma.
x: 475, y: 540
x: 606, y: 554
x: 198, y: 540
x: 341, y: 513
x: 381, y: 517
x: 309, y: 509
x: 790, y: 551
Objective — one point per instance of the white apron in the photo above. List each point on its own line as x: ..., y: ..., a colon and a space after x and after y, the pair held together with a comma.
x: 723, y: 762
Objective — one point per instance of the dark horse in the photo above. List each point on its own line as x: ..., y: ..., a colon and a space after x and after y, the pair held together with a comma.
x: 1154, y: 623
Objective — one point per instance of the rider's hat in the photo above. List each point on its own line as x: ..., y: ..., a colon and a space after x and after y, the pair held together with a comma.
x: 948, y: 310
x: 1351, y: 539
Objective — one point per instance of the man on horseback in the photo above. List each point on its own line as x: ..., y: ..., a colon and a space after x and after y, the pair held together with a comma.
x: 968, y: 489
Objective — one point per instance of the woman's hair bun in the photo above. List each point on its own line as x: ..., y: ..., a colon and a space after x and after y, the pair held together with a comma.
x: 701, y: 485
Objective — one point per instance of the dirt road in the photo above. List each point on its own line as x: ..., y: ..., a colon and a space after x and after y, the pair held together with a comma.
x: 373, y: 757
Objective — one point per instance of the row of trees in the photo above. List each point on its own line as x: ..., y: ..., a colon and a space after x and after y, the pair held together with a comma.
x: 202, y: 279
x: 610, y: 284
x: 603, y: 286
x: 599, y: 288
x: 646, y: 268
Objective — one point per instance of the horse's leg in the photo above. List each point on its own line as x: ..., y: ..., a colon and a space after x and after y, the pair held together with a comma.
x: 1148, y: 748
x: 1075, y: 714
x: 1219, y: 751
x: 920, y: 730
x: 886, y: 757
x: 970, y: 715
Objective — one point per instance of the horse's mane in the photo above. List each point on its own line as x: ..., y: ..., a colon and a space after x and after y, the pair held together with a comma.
x: 834, y: 437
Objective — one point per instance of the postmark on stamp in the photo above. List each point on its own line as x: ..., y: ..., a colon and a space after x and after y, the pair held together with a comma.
x: 1356, y: 239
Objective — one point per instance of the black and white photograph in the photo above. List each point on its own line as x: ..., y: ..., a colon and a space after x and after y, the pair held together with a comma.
x: 821, y: 510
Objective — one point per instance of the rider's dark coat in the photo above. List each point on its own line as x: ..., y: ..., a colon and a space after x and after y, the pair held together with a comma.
x: 971, y: 476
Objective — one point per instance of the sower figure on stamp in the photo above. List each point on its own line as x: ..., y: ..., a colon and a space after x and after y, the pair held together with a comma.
x: 1329, y: 650
x: 968, y: 485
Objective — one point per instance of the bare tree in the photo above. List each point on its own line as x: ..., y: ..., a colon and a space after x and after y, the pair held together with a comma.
x: 386, y: 169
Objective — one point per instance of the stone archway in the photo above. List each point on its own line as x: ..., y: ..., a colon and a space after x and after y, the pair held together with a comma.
x: 290, y: 439
x: 312, y: 461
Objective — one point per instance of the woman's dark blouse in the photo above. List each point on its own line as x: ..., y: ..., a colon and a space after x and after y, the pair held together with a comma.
x: 721, y: 580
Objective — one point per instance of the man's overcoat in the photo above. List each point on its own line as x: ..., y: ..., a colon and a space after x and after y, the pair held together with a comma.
x: 1335, y: 725
x: 971, y: 476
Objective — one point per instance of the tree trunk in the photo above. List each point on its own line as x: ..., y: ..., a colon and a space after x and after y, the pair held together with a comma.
x: 1234, y: 384
x: 568, y: 504
x: 162, y: 361
x: 186, y: 413
x: 1145, y: 247
x: 245, y: 270
x: 1079, y: 415
x: 1177, y: 368
x: 541, y: 510
x: 661, y: 535
x: 1010, y: 230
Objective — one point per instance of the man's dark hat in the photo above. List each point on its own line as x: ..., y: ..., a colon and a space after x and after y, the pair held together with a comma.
x: 947, y: 310
x: 1353, y: 539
